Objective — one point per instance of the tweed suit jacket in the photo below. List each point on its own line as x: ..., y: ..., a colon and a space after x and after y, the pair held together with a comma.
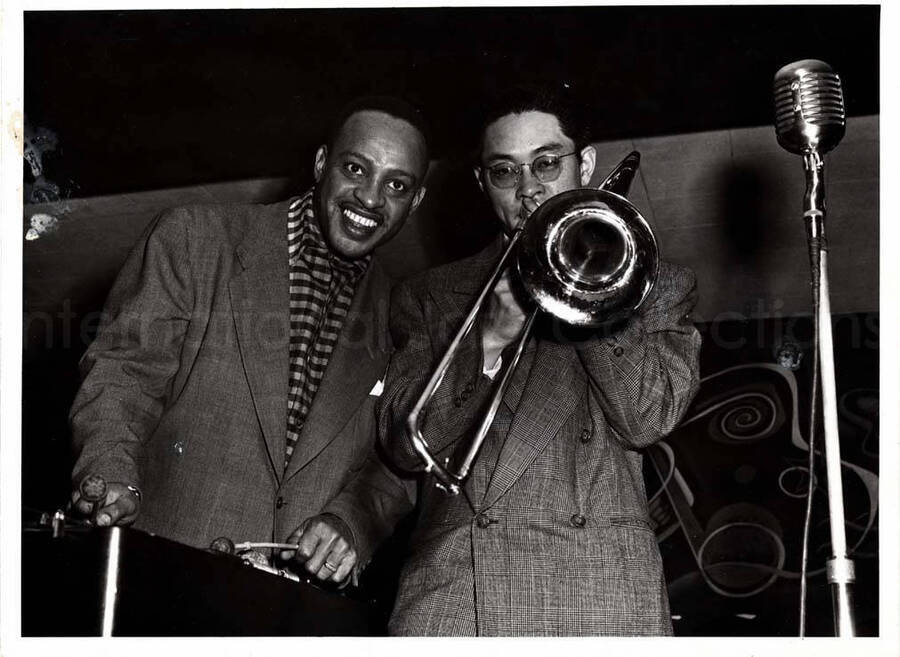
x: 185, y: 387
x: 552, y: 534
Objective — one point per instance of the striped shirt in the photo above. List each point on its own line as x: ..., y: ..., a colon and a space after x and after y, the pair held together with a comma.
x: 322, y: 285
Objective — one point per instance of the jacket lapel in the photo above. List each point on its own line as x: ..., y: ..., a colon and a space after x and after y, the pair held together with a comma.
x: 358, y: 361
x: 548, y: 399
x: 543, y: 395
x: 261, y: 308
x: 462, y: 282
x: 455, y: 296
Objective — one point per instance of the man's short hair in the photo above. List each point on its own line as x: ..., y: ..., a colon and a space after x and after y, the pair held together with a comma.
x: 391, y: 105
x: 549, y: 97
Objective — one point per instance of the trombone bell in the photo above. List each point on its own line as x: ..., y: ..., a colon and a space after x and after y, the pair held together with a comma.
x: 588, y: 257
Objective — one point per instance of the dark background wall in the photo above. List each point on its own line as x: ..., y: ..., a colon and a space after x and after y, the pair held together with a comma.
x: 127, y: 101
x: 153, y: 109
x: 156, y: 99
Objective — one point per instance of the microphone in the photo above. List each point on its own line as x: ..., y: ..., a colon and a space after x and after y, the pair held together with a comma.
x: 809, y: 107
x: 810, y: 121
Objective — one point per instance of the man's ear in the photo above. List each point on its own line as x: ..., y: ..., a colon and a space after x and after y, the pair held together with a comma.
x: 588, y: 161
x: 420, y: 194
x: 477, y: 172
x: 319, y: 167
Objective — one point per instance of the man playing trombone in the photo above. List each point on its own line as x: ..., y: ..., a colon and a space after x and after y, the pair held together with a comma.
x: 550, y: 535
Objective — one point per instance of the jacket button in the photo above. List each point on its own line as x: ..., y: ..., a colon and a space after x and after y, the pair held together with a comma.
x: 483, y: 521
x: 618, y: 351
x: 586, y: 435
x: 457, y: 402
x: 577, y: 520
x: 279, y: 503
x: 469, y: 388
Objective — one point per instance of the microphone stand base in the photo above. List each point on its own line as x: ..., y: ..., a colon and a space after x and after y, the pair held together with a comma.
x: 841, y: 575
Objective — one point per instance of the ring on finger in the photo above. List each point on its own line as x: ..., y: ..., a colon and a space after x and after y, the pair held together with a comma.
x: 330, y: 567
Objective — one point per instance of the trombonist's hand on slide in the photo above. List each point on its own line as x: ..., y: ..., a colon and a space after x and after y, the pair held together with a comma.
x: 503, y: 321
x: 325, y: 548
x: 107, y: 504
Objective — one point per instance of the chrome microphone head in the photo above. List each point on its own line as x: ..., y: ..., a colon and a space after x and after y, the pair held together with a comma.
x: 809, y: 107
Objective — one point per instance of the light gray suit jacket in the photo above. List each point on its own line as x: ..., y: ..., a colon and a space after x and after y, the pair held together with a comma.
x: 552, y: 536
x: 185, y: 387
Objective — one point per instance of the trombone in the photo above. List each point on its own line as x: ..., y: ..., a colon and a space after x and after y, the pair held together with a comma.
x: 586, y: 256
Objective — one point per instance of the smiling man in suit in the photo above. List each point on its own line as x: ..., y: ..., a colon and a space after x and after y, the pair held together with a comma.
x: 551, y: 534
x: 230, y: 390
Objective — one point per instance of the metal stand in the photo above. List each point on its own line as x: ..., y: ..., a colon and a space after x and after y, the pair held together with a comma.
x: 110, y: 582
x: 840, y: 571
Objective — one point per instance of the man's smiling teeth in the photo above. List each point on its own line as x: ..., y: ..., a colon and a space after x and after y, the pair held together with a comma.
x: 359, y: 219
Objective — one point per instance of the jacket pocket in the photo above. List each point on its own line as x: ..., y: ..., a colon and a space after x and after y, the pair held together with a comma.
x: 631, y: 522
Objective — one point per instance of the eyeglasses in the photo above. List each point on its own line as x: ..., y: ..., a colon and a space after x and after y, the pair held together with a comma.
x: 545, y: 168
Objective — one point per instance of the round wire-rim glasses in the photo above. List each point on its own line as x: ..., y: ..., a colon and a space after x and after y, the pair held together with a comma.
x: 546, y: 168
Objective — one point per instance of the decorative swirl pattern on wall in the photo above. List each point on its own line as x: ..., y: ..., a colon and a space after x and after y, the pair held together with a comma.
x: 721, y: 394
x: 745, y: 417
x: 742, y: 413
x: 741, y: 576
x: 739, y: 501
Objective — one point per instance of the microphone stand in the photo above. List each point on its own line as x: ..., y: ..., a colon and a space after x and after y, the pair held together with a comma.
x: 839, y: 569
